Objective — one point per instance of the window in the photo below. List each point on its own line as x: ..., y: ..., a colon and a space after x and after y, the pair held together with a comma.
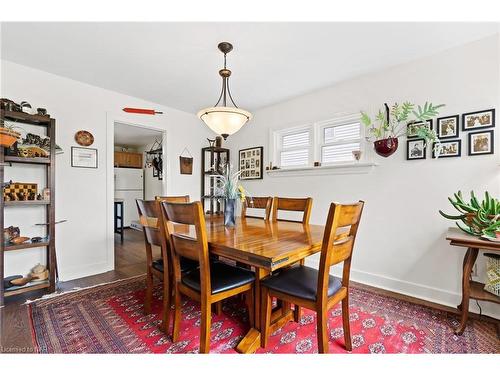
x: 295, y: 148
x: 339, y: 140
x: 329, y: 142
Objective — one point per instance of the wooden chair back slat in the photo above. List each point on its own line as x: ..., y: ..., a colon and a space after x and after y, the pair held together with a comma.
x: 153, y: 235
x: 173, y: 198
x: 337, y: 247
x: 148, y: 212
x: 257, y: 202
x: 293, y: 204
x: 182, y: 213
x: 186, y: 246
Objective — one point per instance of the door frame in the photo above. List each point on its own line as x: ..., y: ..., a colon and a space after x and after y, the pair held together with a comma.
x: 111, y: 119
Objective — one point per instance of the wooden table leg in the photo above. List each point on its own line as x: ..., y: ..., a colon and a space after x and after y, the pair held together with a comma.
x: 251, y: 342
x: 469, y: 260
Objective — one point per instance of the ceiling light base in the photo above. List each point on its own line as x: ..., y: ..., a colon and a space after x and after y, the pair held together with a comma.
x: 225, y: 47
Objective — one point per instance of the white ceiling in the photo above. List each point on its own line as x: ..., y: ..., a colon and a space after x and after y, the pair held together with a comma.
x: 176, y: 64
x: 135, y: 136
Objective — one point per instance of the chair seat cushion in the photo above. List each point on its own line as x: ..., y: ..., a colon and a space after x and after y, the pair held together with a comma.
x: 186, y: 264
x: 223, y: 277
x: 301, y: 282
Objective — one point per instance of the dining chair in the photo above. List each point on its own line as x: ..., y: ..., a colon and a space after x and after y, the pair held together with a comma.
x: 316, y: 289
x: 173, y: 198
x: 264, y: 203
x: 154, y: 235
x: 214, y: 281
x: 303, y: 205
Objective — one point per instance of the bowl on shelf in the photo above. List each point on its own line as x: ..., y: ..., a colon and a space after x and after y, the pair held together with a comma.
x: 21, y: 281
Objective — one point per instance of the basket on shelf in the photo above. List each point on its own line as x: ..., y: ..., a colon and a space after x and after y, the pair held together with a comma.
x: 8, y: 137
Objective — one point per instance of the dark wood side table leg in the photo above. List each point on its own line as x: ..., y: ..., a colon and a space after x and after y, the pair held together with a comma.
x: 469, y: 260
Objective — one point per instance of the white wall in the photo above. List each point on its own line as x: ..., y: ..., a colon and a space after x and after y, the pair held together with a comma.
x: 81, y: 193
x: 401, y: 243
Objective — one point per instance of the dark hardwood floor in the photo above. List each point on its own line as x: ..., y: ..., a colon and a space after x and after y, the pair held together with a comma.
x: 130, y: 259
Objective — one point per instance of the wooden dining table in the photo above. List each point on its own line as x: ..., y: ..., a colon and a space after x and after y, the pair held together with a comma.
x: 265, y: 246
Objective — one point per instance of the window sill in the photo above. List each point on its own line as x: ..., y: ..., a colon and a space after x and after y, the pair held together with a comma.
x: 347, y: 168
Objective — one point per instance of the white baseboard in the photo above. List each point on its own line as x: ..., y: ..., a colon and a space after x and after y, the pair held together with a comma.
x: 425, y: 292
x: 87, y: 270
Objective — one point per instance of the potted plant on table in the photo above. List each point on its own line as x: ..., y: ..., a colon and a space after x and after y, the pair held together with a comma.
x: 480, y: 218
x: 228, y: 188
x: 391, y: 124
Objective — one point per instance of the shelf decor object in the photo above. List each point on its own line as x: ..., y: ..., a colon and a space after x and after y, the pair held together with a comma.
x: 212, y: 161
x: 48, y: 163
x: 224, y: 120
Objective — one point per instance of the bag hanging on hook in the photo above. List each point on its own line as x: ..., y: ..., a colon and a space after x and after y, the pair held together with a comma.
x: 186, y: 162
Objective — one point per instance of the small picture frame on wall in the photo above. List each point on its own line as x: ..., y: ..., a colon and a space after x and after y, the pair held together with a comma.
x: 478, y: 120
x: 415, y: 149
x: 481, y: 143
x: 448, y: 127
x: 412, y: 127
x: 250, y: 163
x: 448, y: 149
x: 83, y: 157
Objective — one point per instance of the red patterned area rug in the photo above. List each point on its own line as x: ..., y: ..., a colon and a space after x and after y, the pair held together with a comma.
x: 110, y: 319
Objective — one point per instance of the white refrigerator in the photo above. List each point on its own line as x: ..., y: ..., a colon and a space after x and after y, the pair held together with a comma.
x: 129, y: 186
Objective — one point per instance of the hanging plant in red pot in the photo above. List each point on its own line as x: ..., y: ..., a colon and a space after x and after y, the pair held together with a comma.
x: 391, y: 124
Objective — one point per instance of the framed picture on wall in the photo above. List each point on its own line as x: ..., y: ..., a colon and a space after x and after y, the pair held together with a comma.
x: 250, y: 163
x: 447, y: 127
x: 83, y: 157
x: 449, y: 149
x: 478, y: 120
x: 481, y: 143
x: 415, y: 149
x: 412, y: 127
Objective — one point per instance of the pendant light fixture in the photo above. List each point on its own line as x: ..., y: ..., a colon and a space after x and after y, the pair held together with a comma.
x: 222, y: 119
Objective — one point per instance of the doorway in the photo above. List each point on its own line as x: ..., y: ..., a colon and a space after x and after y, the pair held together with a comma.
x: 138, y: 173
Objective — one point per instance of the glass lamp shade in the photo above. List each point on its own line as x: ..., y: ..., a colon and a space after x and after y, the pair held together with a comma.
x: 224, y: 120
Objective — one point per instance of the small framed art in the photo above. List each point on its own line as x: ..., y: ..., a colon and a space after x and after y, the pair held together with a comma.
x: 415, y: 149
x: 448, y: 149
x: 447, y: 127
x: 251, y: 163
x: 478, y: 120
x: 83, y: 157
x: 481, y: 143
x: 412, y: 127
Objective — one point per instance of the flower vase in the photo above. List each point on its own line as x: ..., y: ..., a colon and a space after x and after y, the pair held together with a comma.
x: 229, y: 212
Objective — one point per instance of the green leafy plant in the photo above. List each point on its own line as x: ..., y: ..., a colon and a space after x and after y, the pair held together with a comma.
x: 399, y: 117
x: 227, y: 185
x: 479, y: 217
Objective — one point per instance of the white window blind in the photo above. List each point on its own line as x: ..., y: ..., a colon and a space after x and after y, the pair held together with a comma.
x: 295, y: 149
x: 339, y: 141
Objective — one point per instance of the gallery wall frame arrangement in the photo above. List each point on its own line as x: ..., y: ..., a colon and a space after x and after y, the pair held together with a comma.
x: 250, y: 163
x: 481, y: 143
x: 84, y: 157
x: 448, y: 127
x: 478, y: 120
x: 416, y: 149
x: 448, y: 149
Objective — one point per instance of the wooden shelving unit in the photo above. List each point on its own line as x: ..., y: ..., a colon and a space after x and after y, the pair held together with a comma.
x: 211, y: 157
x: 49, y: 128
